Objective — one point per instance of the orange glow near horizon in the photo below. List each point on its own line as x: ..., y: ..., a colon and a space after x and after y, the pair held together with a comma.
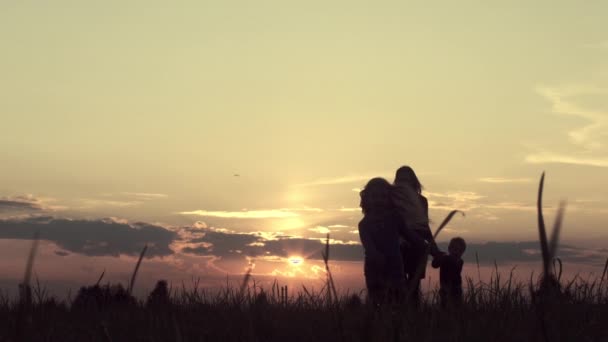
x: 295, y: 261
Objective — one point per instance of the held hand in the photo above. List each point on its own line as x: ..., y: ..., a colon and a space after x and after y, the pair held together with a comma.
x: 437, y: 259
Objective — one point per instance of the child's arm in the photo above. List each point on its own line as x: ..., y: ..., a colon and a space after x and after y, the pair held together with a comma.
x: 437, y: 260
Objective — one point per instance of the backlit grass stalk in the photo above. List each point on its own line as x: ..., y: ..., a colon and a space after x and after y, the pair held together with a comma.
x: 331, y: 288
x: 134, y: 276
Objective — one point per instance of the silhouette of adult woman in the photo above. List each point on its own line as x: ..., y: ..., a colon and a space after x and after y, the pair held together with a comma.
x: 413, y: 208
x: 379, y: 231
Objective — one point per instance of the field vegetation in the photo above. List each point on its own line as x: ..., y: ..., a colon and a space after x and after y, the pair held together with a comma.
x: 544, y: 308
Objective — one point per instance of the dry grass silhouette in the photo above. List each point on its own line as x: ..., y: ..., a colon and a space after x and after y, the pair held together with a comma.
x: 542, y: 309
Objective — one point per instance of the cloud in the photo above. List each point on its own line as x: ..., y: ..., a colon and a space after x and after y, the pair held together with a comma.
x: 92, y: 237
x: 456, y: 195
x: 27, y: 203
x: 145, y: 196
x: 470, y: 201
x: 18, y: 204
x: 120, y: 200
x: 253, y: 214
x: 461, y: 200
x: 243, y: 214
x: 543, y: 158
x: 511, y: 206
x: 500, y: 180
x: 527, y: 251
x: 88, y: 203
x: 590, y: 137
x: 227, y: 244
x: 106, y: 237
x: 337, y: 180
x: 320, y: 230
x: 349, y: 179
x: 349, y: 210
x: 254, y: 245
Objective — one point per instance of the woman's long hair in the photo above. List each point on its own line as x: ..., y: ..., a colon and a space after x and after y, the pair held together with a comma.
x: 375, y: 197
x: 407, y: 175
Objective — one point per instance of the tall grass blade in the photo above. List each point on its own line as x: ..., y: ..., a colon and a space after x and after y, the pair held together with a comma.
x: 604, y: 273
x: 27, y: 278
x: 478, y: 268
x: 331, y: 288
x: 245, y: 281
x: 446, y: 221
x: 100, y: 277
x: 24, y: 315
x: 556, y: 230
x: 141, y: 256
x: 558, y: 262
x: 542, y: 233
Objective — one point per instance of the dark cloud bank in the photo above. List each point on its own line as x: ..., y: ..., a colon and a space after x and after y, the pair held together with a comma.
x: 111, y: 238
x: 233, y: 244
x: 19, y: 203
x: 92, y: 237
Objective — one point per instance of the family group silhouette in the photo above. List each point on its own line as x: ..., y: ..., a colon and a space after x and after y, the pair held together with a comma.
x: 397, y: 240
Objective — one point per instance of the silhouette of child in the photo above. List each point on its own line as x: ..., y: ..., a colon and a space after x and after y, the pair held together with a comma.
x: 450, y: 267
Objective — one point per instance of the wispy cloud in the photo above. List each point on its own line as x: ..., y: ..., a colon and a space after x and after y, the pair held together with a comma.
x: 88, y: 203
x: 469, y: 201
x: 254, y: 214
x: 145, y: 195
x: 28, y: 202
x: 589, y: 138
x: 338, y: 226
x: 303, y: 209
x: 563, y: 102
x: 510, y: 206
x: 93, y: 237
x: 547, y: 157
x: 354, y: 178
x: 243, y: 214
x: 320, y: 230
x: 349, y: 210
x: 500, y: 180
x: 338, y: 180
x: 8, y: 203
x: 456, y: 195
x: 461, y: 200
x: 279, y: 247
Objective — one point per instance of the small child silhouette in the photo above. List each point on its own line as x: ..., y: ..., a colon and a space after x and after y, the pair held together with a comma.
x: 450, y: 267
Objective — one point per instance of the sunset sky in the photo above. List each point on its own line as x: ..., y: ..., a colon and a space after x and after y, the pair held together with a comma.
x: 229, y: 132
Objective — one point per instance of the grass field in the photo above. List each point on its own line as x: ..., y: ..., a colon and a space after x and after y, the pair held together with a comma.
x: 544, y: 308
x: 499, y: 310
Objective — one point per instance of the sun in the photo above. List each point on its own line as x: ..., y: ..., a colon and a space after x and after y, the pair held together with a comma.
x: 295, y: 261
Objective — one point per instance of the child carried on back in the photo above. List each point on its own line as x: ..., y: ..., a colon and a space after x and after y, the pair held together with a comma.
x: 450, y: 268
x: 379, y: 234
